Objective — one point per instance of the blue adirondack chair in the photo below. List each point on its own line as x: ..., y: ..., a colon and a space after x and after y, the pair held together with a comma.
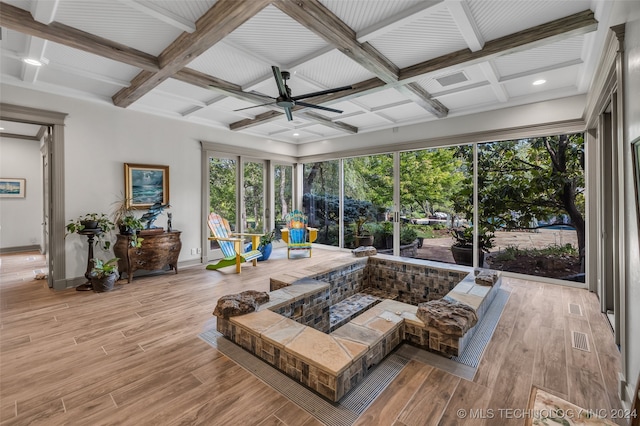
x: 297, y: 234
x: 231, y: 244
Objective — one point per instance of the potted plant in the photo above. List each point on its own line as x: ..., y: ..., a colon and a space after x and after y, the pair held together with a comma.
x: 98, y: 222
x: 462, y: 248
x: 126, y: 221
x: 363, y: 233
x: 104, y: 275
x: 266, y: 245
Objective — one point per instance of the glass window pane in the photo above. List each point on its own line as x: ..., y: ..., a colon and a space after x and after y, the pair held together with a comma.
x: 283, y: 186
x: 436, y: 194
x: 368, y: 202
x: 531, y: 191
x: 321, y: 199
x: 222, y: 190
x: 254, y: 197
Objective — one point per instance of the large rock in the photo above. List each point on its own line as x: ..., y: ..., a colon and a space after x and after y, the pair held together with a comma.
x: 233, y: 305
x: 449, y: 317
x: 486, y: 277
x: 363, y: 251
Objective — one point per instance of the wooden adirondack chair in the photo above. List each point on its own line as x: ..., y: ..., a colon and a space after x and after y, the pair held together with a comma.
x: 232, y: 244
x: 297, y: 234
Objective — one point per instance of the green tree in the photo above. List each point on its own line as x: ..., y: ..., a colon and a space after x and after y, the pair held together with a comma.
x: 523, y: 181
x: 429, y: 180
x: 222, y: 188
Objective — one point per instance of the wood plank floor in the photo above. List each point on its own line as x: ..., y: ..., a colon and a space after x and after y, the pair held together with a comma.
x: 133, y: 356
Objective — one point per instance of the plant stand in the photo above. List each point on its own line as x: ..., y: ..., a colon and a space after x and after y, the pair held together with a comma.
x: 91, y: 234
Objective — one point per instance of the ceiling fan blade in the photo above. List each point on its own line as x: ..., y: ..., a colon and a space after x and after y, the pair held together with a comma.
x: 287, y: 111
x: 322, y: 92
x: 282, y: 90
x: 318, y: 107
x: 254, y: 106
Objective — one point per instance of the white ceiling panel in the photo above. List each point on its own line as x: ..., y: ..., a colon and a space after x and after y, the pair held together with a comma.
x: 379, y: 99
x: 81, y: 83
x: 497, y: 19
x: 365, y: 120
x: 78, y: 60
x: 228, y: 64
x: 404, y: 112
x: 14, y: 41
x: 164, y: 101
x: 359, y: 15
x: 116, y: 21
x: 274, y: 36
x: 564, y: 51
x: 473, y: 74
x: 469, y: 98
x: 334, y: 69
x: 429, y: 37
x: 190, y: 10
x: 11, y: 67
x: 187, y: 90
x: 555, y: 80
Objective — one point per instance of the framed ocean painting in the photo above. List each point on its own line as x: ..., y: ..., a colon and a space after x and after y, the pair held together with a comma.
x: 145, y: 185
x: 12, y: 188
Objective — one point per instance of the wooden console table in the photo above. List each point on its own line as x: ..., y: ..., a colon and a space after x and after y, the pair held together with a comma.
x: 158, y: 251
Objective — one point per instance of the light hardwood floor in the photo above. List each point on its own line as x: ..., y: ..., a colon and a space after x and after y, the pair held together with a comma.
x: 133, y: 356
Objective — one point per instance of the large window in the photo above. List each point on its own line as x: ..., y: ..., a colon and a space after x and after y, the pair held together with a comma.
x: 436, y: 195
x: 321, y: 199
x: 283, y: 197
x: 368, y: 201
x: 254, y: 194
x: 531, y: 196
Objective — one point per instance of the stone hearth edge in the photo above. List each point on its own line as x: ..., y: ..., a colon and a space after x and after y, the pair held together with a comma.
x: 290, y: 332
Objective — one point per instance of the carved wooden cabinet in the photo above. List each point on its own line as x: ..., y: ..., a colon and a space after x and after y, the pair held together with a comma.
x: 158, y: 251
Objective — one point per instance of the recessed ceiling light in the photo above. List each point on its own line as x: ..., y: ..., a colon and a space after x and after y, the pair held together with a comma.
x: 31, y: 61
x: 296, y: 134
x: 539, y: 82
x: 1, y: 128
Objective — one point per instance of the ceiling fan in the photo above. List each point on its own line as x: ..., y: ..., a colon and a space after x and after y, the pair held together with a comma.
x: 286, y: 101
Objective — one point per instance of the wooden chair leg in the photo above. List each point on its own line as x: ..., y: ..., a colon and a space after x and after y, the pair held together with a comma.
x: 238, y: 264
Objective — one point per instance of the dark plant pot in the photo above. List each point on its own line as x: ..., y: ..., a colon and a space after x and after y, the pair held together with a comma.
x: 464, y: 255
x: 364, y: 240
x: 388, y: 243
x: 125, y: 230
x: 266, y: 251
x: 104, y: 284
x: 420, y: 242
x: 89, y: 224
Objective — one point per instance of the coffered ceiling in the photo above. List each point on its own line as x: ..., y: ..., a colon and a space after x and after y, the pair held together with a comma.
x: 207, y: 61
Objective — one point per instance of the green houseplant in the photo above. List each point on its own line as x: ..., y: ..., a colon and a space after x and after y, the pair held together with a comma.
x: 104, y: 274
x: 93, y: 221
x: 462, y: 248
x: 128, y: 224
x: 363, y: 233
x: 265, y: 245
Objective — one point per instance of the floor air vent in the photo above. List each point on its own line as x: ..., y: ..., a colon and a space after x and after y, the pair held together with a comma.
x: 575, y: 309
x: 579, y: 341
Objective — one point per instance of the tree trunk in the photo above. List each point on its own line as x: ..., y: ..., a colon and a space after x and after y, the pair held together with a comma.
x: 283, y: 202
x: 568, y: 195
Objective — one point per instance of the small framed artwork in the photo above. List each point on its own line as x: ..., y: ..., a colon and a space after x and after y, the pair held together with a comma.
x: 145, y: 185
x: 13, y: 188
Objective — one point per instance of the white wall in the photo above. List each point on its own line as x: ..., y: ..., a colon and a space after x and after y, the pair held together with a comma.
x: 632, y: 273
x: 100, y: 138
x: 21, y: 218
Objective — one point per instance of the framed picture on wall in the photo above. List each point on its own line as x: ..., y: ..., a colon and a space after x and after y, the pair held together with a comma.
x: 13, y: 188
x: 145, y: 185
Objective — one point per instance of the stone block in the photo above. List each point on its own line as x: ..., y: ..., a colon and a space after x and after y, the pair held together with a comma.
x: 233, y: 305
x: 448, y: 317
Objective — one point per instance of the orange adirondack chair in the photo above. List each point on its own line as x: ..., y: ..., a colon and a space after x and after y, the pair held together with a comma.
x: 231, y: 244
x: 297, y: 234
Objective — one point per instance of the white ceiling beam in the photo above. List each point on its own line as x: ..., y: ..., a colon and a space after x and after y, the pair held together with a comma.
x: 493, y: 77
x: 44, y: 11
x: 161, y: 14
x: 467, y: 25
x: 398, y: 20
